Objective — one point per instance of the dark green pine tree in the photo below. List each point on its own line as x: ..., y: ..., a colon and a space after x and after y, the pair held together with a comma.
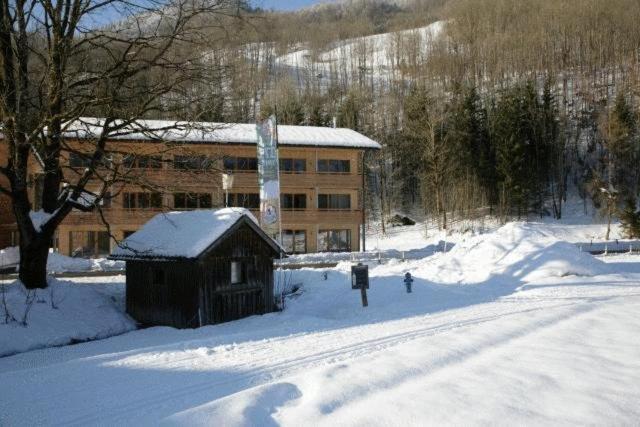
x: 468, y: 129
x: 630, y: 219
x: 406, y: 149
x: 509, y: 136
x: 555, y: 172
x: 623, y: 147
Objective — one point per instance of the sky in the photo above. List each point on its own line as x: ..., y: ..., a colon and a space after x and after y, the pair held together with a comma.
x: 284, y: 4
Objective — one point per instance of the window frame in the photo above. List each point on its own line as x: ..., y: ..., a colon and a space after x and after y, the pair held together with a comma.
x: 298, y: 201
x: 240, y: 270
x: 334, y: 166
x: 293, y: 234
x: 333, y: 201
x: 294, y: 165
x: 94, y: 243
x: 197, y: 163
x: 142, y: 200
x: 250, y: 197
x: 240, y: 164
x: 328, y: 240
x: 145, y: 161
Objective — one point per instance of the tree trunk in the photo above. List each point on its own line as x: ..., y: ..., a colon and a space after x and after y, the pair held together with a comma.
x: 33, y: 262
x: 609, y: 215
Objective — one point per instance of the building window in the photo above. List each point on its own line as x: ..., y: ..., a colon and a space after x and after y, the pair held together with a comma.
x: 294, y: 241
x: 77, y: 160
x: 105, y: 202
x: 89, y: 244
x: 142, y: 200
x: 244, y: 200
x: 82, y: 160
x: 241, y: 164
x: 293, y: 201
x: 334, y: 166
x: 191, y: 162
x: 334, y: 240
x: 238, y: 273
x: 192, y: 201
x: 293, y: 165
x: 132, y: 161
x: 334, y: 201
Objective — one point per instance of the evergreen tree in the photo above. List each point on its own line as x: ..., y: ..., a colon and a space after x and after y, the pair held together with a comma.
x: 469, y: 135
x: 630, y: 219
x: 509, y: 136
x: 623, y: 148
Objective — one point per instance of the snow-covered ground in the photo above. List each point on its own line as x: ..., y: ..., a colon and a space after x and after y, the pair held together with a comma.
x: 509, y: 327
x: 65, y: 313
x: 58, y: 263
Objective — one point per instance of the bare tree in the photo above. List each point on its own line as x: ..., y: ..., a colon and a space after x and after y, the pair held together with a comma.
x: 61, y: 62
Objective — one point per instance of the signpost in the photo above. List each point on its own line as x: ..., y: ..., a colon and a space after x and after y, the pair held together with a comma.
x: 360, y: 280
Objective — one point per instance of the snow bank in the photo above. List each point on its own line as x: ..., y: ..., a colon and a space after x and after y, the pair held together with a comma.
x: 58, y: 263
x: 80, y: 314
x: 479, y: 269
x: 517, y: 251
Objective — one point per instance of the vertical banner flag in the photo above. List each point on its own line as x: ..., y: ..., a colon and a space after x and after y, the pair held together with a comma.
x: 268, y: 179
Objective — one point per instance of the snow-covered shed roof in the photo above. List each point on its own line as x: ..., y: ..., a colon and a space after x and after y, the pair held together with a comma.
x: 210, y: 132
x: 185, y: 234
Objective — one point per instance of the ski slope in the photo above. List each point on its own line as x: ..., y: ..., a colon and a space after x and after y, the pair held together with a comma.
x: 511, y: 327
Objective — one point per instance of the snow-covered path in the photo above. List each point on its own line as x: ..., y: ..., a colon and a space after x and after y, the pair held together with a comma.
x: 514, y: 347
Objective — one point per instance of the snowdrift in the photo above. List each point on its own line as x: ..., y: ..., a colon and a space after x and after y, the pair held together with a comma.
x: 479, y: 269
x: 518, y: 252
x: 79, y: 313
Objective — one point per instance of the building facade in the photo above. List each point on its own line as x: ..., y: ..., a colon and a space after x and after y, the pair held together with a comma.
x: 321, y: 184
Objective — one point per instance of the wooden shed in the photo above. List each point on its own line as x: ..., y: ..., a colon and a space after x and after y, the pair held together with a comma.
x: 188, y: 269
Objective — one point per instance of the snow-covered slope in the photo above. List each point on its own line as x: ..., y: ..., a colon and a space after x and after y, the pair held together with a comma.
x: 379, y: 56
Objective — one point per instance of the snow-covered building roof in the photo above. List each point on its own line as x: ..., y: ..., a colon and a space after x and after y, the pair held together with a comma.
x: 186, y: 234
x: 210, y: 132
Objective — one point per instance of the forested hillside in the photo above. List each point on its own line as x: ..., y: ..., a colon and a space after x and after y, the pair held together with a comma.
x: 483, y: 106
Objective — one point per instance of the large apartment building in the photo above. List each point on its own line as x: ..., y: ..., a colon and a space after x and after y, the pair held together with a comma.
x: 321, y: 183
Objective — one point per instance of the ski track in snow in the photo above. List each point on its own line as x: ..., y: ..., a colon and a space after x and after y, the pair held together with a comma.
x: 256, y: 363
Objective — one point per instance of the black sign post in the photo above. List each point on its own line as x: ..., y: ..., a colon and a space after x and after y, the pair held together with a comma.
x: 360, y: 280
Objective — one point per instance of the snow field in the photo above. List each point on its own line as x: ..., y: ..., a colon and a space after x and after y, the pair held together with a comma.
x: 497, y: 331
